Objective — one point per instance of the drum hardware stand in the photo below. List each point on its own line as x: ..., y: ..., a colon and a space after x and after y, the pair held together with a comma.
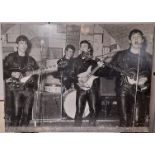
x: 40, y: 96
x: 61, y: 101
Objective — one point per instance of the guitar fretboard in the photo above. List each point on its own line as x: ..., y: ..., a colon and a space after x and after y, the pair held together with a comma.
x: 43, y: 71
x: 117, y: 69
x: 94, y: 70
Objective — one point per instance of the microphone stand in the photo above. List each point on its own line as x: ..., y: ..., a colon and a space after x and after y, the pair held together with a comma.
x: 135, y: 96
x: 61, y: 102
x: 61, y: 95
x: 38, y: 92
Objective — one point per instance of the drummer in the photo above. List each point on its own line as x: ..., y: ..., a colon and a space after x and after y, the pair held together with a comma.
x: 64, y: 66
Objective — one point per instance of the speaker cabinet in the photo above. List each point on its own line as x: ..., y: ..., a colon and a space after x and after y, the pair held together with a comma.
x: 107, y: 87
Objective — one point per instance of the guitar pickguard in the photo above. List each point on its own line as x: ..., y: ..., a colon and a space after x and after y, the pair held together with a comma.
x: 86, y: 78
x: 87, y: 85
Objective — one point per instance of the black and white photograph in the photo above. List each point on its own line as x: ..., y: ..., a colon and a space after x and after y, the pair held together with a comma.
x: 77, y: 77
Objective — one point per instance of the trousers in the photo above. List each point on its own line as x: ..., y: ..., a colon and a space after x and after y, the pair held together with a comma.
x: 132, y: 109
x: 19, y: 105
x: 91, y: 97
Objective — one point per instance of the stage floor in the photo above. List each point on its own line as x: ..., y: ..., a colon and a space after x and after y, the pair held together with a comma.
x: 68, y: 126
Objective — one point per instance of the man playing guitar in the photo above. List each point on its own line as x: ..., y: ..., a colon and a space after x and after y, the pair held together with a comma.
x: 82, y: 67
x: 133, y: 80
x: 19, y: 100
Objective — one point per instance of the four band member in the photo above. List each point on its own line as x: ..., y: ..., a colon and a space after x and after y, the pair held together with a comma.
x: 64, y: 66
x: 82, y: 68
x: 133, y: 80
x: 19, y: 96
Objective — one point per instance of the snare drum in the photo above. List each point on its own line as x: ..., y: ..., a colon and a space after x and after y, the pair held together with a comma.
x: 69, y: 104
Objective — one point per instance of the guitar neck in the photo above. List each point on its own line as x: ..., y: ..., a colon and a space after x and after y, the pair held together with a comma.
x: 42, y: 71
x: 38, y: 71
x: 116, y: 69
x: 94, y: 70
x: 34, y: 72
x: 110, y: 66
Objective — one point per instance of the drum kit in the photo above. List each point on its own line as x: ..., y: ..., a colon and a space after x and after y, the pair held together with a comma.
x: 68, y: 100
x: 54, y: 86
x: 68, y: 97
x: 69, y: 104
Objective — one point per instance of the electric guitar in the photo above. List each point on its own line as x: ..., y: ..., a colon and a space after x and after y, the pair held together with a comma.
x: 85, y: 79
x: 131, y: 79
x: 19, y: 83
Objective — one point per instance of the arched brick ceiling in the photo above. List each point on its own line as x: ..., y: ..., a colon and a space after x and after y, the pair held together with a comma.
x: 6, y: 27
x: 120, y: 32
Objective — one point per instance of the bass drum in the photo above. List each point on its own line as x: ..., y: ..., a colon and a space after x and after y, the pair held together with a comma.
x: 70, y: 104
